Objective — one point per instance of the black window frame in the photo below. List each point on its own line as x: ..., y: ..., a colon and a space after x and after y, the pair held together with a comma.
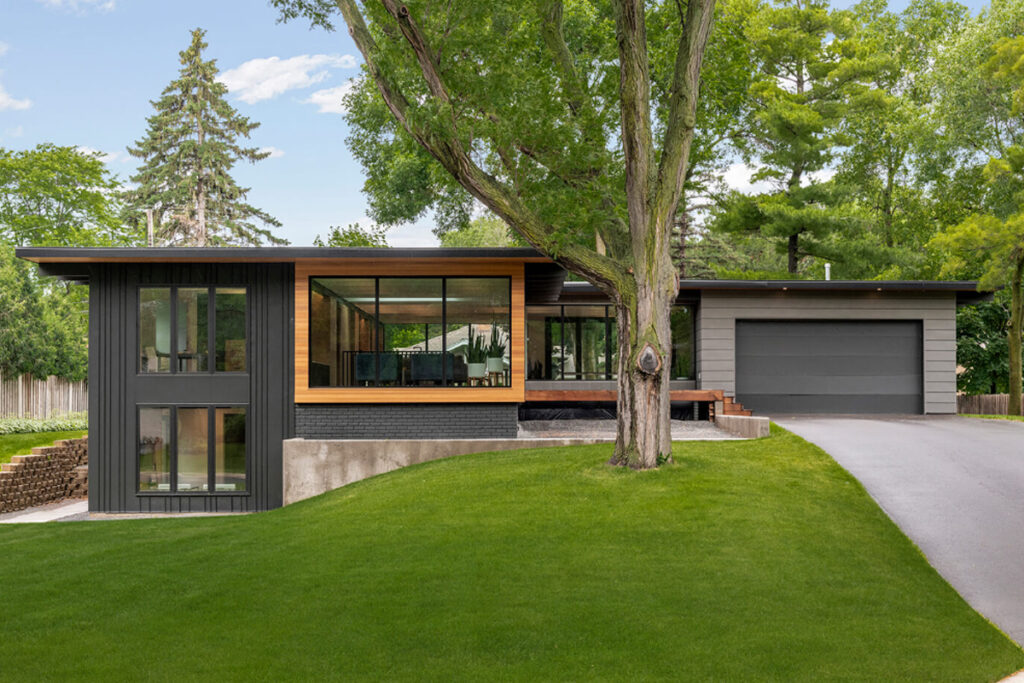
x: 610, y: 342
x: 211, y: 448
x: 211, y: 330
x: 377, y: 342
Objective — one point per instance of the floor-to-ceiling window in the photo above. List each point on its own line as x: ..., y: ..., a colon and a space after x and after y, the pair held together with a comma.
x: 580, y: 342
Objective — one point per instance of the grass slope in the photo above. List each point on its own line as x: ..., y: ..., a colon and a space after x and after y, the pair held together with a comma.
x: 1016, y: 418
x: 21, y: 444
x: 744, y: 560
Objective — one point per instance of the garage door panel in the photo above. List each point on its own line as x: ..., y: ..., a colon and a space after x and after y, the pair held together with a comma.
x: 869, y: 384
x: 829, y: 366
x: 850, y: 403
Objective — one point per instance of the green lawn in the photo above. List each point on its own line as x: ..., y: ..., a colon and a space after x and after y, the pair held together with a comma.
x: 21, y: 444
x: 1017, y: 418
x: 744, y: 560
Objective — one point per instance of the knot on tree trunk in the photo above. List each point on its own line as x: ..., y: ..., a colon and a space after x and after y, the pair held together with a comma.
x: 649, y: 360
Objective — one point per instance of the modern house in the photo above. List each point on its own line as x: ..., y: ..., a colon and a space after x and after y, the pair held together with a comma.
x: 203, y: 361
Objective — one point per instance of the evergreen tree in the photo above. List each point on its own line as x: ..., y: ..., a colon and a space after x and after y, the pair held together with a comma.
x: 808, y: 73
x: 189, y: 149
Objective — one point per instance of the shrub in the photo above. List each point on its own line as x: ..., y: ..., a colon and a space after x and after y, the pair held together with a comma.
x: 30, y: 425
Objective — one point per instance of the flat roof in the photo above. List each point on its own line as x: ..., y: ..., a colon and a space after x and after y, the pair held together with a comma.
x: 262, y: 254
x: 966, y: 290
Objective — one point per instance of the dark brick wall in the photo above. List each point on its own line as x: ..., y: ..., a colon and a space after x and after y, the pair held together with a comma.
x: 407, y: 421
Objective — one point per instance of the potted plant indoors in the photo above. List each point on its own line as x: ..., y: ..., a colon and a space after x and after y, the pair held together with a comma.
x: 476, y: 357
x: 496, y: 352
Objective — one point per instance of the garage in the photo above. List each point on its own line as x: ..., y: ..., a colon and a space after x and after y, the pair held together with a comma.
x: 830, y: 366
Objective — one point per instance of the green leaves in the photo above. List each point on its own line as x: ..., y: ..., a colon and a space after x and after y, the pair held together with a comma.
x: 59, y: 196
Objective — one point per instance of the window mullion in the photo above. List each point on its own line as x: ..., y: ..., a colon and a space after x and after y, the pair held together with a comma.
x: 211, y: 449
x: 211, y: 330
x: 173, y: 332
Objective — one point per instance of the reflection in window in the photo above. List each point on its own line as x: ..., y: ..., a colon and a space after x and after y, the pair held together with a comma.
x: 478, y: 331
x: 341, y: 333
x: 229, y: 449
x: 155, y: 329
x: 411, y: 332
x: 682, y: 342
x: 154, y: 449
x: 193, y: 458
x: 409, y: 317
x: 190, y: 317
x: 230, y: 326
x: 193, y: 321
x: 577, y: 342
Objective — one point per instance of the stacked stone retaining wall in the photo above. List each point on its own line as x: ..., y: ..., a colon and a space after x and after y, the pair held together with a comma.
x: 50, y: 474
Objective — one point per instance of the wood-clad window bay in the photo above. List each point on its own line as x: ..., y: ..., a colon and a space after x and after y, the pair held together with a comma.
x: 410, y: 332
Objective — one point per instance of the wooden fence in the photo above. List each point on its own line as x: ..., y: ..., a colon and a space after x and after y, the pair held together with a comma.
x: 29, y: 397
x: 983, y: 404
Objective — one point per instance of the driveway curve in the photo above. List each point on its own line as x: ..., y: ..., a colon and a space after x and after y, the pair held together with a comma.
x: 954, y: 485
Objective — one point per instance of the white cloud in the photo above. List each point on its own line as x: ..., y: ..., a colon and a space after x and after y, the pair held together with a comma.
x: 4, y: 47
x: 266, y: 78
x: 329, y: 101
x: 8, y: 102
x: 275, y: 153
x: 105, y: 157
x: 80, y: 6
x: 15, y: 132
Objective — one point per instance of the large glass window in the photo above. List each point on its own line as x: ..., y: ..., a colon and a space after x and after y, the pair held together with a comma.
x: 187, y: 311
x: 682, y: 342
x: 229, y: 449
x: 229, y: 324
x: 192, y: 449
x: 193, y: 326
x: 155, y: 329
x: 409, y: 332
x: 410, y: 342
x: 578, y: 342
x: 478, y: 331
x: 154, y: 449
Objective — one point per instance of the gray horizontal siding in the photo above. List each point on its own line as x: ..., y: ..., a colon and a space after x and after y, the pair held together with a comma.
x: 719, y: 311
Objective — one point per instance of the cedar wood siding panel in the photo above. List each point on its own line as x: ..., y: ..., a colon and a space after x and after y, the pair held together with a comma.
x: 719, y: 311
x: 115, y: 387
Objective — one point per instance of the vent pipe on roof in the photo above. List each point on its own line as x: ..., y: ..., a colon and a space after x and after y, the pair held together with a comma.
x: 828, y: 271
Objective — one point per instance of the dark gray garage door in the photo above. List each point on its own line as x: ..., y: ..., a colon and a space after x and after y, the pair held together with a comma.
x: 829, y: 367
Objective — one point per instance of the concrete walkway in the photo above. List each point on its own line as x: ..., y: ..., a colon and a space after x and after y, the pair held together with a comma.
x: 954, y: 485
x: 47, y: 513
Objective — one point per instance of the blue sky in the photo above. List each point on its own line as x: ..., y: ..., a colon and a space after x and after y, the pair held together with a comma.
x: 83, y: 72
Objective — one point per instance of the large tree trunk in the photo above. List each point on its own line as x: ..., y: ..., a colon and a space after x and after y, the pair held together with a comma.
x: 644, y: 437
x: 1016, y: 322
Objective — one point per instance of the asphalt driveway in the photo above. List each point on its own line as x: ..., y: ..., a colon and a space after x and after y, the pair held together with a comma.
x: 955, y: 485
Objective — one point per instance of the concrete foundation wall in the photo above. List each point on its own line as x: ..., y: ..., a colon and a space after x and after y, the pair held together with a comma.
x: 407, y: 421
x: 747, y: 427
x: 315, y: 467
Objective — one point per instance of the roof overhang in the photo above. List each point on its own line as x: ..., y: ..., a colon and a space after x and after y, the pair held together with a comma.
x: 545, y: 280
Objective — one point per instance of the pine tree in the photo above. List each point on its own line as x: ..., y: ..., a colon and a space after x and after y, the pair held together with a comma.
x: 191, y: 144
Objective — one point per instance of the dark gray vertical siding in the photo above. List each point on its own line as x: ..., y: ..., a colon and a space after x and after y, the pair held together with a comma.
x: 115, y: 388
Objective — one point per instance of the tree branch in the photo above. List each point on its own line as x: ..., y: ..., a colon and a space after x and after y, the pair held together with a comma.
x: 550, y: 12
x: 635, y: 105
x: 603, y: 271
x: 682, y: 107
